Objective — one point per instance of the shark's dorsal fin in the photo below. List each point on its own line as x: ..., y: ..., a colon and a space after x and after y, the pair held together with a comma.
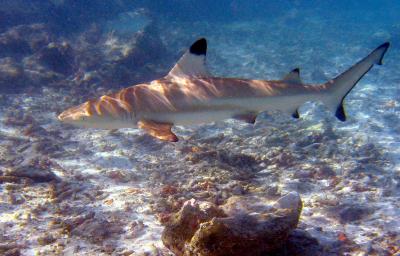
x: 193, y: 62
x: 293, y: 77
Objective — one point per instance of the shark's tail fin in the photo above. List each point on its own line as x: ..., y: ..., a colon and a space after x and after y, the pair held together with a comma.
x: 339, y: 87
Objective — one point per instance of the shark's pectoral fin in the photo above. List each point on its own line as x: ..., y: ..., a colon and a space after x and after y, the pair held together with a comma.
x: 249, y: 118
x: 158, y: 130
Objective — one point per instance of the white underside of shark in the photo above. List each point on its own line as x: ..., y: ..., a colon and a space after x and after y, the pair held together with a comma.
x: 190, y: 95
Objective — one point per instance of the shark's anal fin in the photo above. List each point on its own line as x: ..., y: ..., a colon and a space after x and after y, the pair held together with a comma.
x: 296, y: 114
x: 158, y: 130
x: 249, y: 118
x: 293, y: 77
x: 340, y: 112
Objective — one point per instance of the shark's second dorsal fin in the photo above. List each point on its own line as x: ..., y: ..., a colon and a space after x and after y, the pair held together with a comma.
x: 293, y: 77
x: 193, y: 62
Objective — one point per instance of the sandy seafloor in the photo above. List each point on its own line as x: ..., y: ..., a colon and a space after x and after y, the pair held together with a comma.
x: 120, y: 184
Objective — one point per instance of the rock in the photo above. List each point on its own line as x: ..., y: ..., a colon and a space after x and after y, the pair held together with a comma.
x: 96, y: 231
x: 20, y: 41
x: 182, y: 226
x: 325, y: 172
x: 46, y: 239
x: 11, y: 73
x: 300, y: 243
x: 142, y: 51
x: 351, y: 213
x: 290, y: 201
x: 4, y: 179
x: 58, y: 57
x: 13, y: 252
x: 35, y: 56
x: 243, y: 226
x: 90, y: 226
x: 35, y: 168
x: 19, y: 119
x: 241, y: 166
x: 10, y: 248
x: 20, y: 48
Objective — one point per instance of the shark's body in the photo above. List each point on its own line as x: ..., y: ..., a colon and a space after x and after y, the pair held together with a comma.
x: 189, y: 95
x: 186, y: 101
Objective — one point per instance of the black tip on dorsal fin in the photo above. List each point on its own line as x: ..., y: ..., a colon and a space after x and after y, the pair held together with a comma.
x: 193, y: 62
x: 296, y: 70
x: 199, y: 47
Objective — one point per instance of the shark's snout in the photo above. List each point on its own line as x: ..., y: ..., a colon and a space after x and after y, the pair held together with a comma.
x: 66, y: 117
x: 61, y: 117
x: 74, y: 115
x: 105, y: 113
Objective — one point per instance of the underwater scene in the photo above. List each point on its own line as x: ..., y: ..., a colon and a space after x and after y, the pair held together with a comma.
x: 208, y: 128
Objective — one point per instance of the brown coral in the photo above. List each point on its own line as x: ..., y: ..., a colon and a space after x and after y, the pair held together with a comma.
x: 246, y: 227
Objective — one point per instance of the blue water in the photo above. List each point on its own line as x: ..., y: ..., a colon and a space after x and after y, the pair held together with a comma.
x: 57, y: 54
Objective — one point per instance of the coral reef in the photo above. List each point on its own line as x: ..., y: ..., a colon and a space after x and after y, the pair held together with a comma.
x: 241, y: 227
x: 35, y: 169
x: 33, y: 56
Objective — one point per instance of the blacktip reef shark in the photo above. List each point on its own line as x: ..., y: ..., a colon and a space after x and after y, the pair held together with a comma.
x: 190, y: 95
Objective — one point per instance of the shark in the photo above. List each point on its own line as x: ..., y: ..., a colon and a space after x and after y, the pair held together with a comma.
x: 189, y: 94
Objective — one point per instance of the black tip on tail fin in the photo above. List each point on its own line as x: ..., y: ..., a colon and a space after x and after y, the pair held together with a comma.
x: 383, y: 47
x: 340, y: 112
x: 199, y: 47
